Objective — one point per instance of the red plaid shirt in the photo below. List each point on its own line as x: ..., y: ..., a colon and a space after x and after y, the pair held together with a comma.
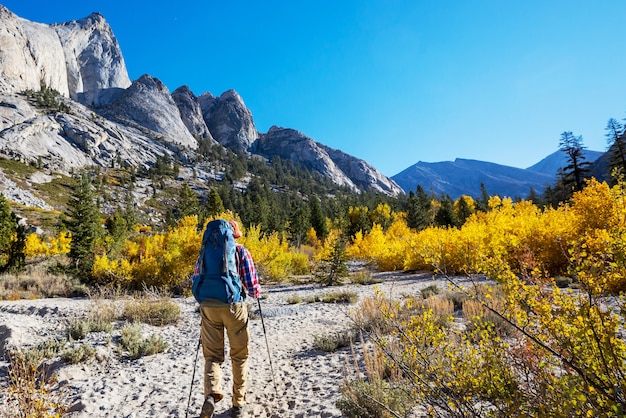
x: 246, y: 268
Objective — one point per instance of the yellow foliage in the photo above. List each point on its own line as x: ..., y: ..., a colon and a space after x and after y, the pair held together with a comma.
x: 311, y: 237
x: 168, y: 259
x: 163, y: 260
x: 36, y: 246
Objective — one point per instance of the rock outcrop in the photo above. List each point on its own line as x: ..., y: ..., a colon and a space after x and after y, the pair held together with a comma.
x: 65, y: 141
x: 191, y: 113
x: 147, y: 103
x: 229, y: 120
x: 289, y: 144
x: 361, y: 173
x: 93, y: 58
x: 79, y: 59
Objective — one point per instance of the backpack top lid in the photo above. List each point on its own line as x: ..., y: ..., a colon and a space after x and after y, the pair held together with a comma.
x: 218, y: 276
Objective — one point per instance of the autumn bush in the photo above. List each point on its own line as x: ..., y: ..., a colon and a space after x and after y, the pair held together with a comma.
x: 528, y: 347
x: 167, y: 260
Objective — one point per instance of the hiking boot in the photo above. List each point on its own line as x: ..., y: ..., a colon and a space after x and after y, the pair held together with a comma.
x: 208, y: 407
x: 238, y: 411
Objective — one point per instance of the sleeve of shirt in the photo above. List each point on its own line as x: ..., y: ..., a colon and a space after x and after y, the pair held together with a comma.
x: 247, y: 272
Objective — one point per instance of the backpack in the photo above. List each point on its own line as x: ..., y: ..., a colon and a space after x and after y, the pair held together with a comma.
x: 218, y: 275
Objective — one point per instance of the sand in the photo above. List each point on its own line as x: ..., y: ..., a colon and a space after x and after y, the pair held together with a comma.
x: 305, y: 383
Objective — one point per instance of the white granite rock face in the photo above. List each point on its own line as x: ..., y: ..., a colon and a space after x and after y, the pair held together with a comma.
x: 147, y: 103
x: 93, y: 58
x: 191, y: 113
x: 30, y: 53
x: 229, y: 120
x: 79, y: 59
x: 66, y: 141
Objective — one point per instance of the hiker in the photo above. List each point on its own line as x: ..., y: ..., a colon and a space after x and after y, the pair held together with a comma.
x: 222, y: 268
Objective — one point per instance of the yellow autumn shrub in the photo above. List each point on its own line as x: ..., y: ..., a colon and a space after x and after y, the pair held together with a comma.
x: 274, y: 259
x: 38, y: 246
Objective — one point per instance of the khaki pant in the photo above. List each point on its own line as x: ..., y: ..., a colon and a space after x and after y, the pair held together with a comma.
x: 233, y: 318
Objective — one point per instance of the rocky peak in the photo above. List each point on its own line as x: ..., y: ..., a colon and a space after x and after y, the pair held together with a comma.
x: 147, y: 103
x: 290, y: 144
x: 229, y: 120
x: 191, y: 113
x: 79, y: 59
x: 93, y: 57
x: 342, y: 168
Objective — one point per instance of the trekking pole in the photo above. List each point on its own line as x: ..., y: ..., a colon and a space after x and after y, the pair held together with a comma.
x: 269, y: 356
x: 193, y: 377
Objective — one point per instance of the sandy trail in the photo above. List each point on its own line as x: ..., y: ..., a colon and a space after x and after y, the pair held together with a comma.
x: 307, y: 380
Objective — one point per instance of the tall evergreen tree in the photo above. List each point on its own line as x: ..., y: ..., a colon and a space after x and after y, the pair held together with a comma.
x: 318, y: 219
x: 187, y: 204
x: 85, y: 225
x: 445, y: 215
x: 577, y: 168
x: 298, y: 225
x: 419, y: 209
x: 463, y: 211
x: 214, y: 204
x: 482, y: 203
x: 12, y: 238
x: 616, y: 141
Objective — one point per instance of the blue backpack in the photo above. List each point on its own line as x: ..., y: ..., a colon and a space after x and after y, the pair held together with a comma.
x: 218, y: 275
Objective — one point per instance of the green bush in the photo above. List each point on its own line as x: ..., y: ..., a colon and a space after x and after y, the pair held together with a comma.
x: 429, y: 291
x: 80, y: 353
x: 332, y: 342
x: 78, y: 329
x: 162, y: 311
x: 364, y: 399
x: 137, y: 346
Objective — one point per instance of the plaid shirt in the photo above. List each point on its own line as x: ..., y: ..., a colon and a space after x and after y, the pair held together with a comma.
x: 246, y: 268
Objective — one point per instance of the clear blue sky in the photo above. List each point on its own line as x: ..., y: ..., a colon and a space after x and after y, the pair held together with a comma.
x: 390, y: 81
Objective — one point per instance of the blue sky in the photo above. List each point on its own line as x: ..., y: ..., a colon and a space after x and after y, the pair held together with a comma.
x: 390, y: 81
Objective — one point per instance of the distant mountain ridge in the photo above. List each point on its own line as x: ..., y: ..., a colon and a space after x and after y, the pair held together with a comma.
x: 463, y: 176
x: 553, y: 162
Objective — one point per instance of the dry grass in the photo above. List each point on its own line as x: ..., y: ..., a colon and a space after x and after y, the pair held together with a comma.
x: 37, y: 284
x: 162, y: 311
x: 135, y: 345
x: 440, y: 306
x: 372, y: 387
x: 475, y: 311
x: 32, y: 392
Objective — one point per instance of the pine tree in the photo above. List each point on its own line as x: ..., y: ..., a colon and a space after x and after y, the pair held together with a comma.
x: 85, y: 225
x: 577, y: 168
x: 463, y: 211
x: 482, y: 203
x: 616, y: 140
x: 298, y: 226
x: 419, y: 209
x: 445, y: 214
x: 318, y: 220
x: 12, y: 238
x: 214, y: 205
x: 187, y: 204
x: 333, y: 268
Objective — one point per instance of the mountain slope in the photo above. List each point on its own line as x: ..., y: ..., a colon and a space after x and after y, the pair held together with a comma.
x: 101, y: 117
x: 463, y: 177
x: 551, y: 164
